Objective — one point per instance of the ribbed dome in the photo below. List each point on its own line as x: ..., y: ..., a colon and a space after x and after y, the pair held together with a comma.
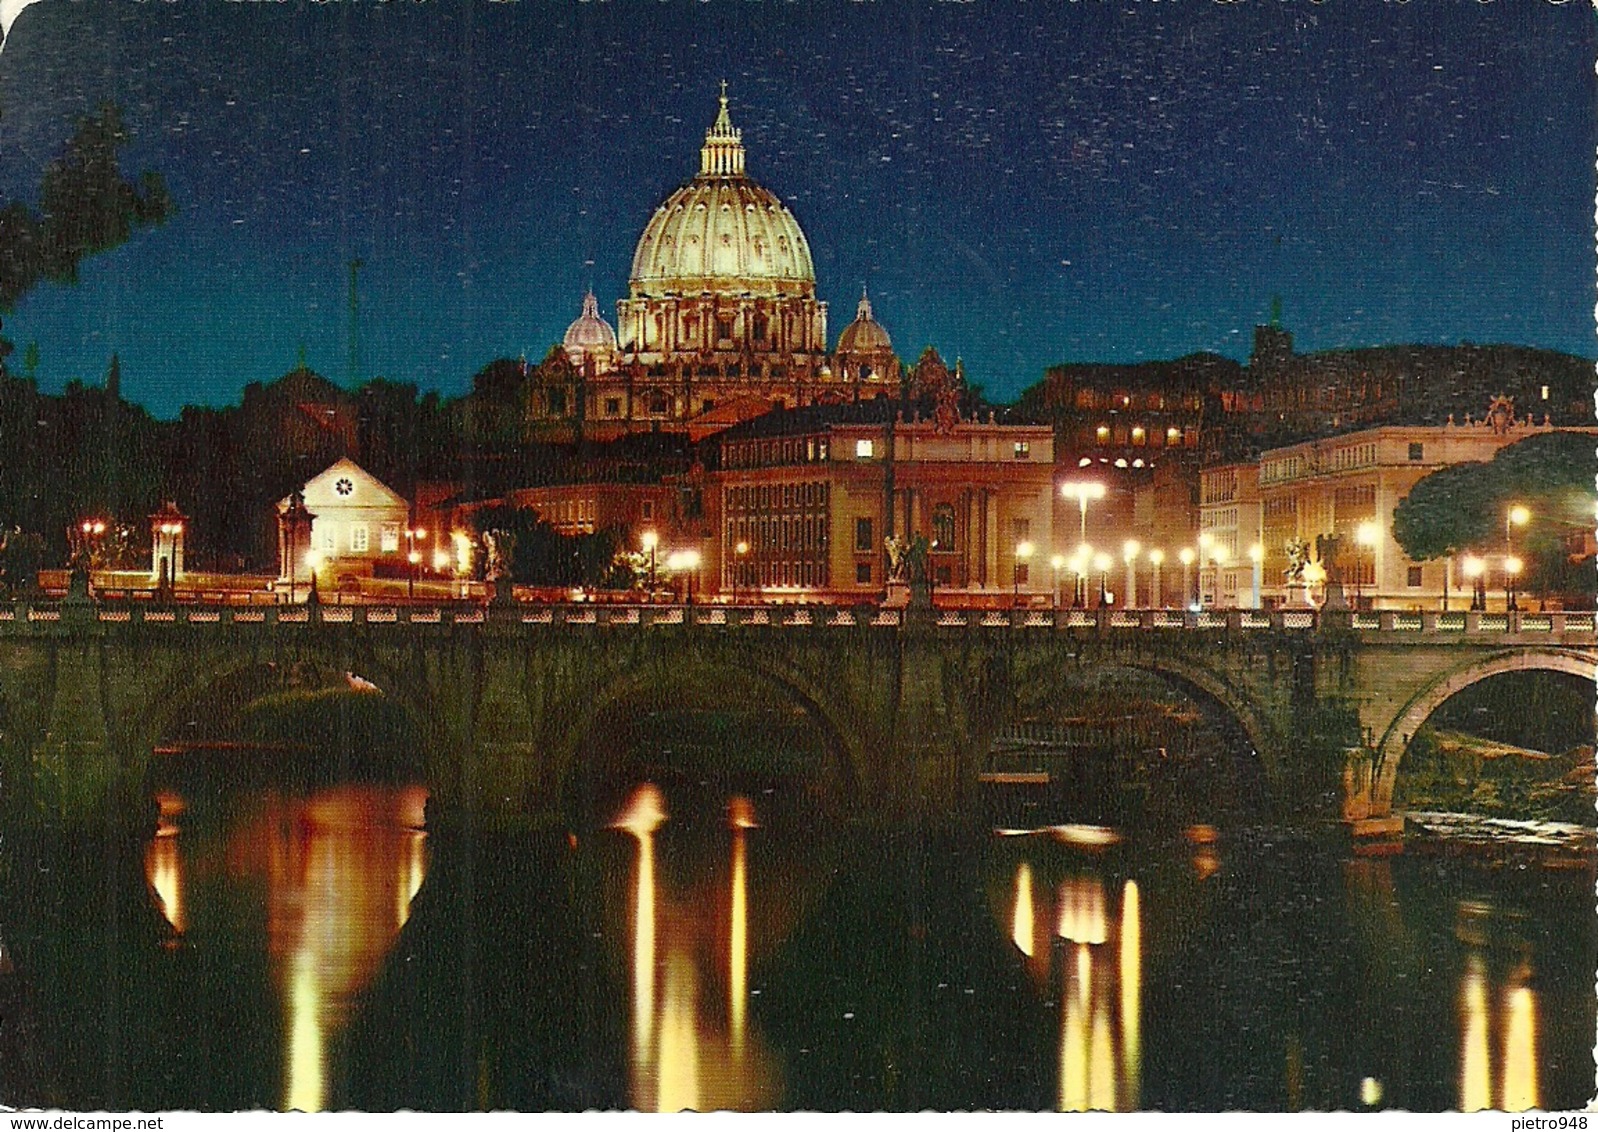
x: 865, y: 334
x: 722, y: 233
x: 589, y: 332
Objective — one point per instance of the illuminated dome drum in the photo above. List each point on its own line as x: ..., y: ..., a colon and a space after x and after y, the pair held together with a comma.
x: 722, y: 285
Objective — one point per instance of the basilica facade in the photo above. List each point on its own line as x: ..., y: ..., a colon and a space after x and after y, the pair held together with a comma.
x: 721, y: 322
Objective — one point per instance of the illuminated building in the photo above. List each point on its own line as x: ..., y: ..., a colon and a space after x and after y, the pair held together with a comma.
x: 1337, y: 485
x: 721, y: 320
x: 812, y: 495
x: 357, y: 526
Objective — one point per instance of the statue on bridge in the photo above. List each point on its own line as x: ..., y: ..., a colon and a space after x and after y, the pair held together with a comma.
x: 500, y: 545
x: 1326, y: 552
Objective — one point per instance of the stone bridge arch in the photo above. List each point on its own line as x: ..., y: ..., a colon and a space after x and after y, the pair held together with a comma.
x: 695, y: 667
x: 188, y: 680
x: 1393, y: 739
x: 1217, y: 680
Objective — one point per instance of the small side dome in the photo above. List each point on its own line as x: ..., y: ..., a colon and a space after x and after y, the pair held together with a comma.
x: 589, y: 334
x: 865, y: 334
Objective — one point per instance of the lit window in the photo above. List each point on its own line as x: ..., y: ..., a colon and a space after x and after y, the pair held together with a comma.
x: 388, y: 538
x: 1545, y: 393
x: 1137, y: 435
x: 1172, y: 435
x: 360, y: 538
x: 1103, y: 433
x: 326, y: 536
x: 865, y: 449
x: 1023, y: 449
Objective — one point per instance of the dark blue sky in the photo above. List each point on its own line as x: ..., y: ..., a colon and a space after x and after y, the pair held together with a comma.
x: 1020, y: 183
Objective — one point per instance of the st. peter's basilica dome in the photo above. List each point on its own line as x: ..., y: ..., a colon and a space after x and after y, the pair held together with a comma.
x: 722, y: 233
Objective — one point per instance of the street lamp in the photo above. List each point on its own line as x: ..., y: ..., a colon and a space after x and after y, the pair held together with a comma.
x: 1081, y: 563
x: 1368, y: 535
x: 412, y: 537
x: 1023, y: 551
x: 1474, y: 569
x: 1058, y: 562
x: 1517, y: 516
x: 1101, y: 563
x: 1082, y: 492
x: 685, y: 562
x: 1187, y: 557
x: 1130, y: 549
x: 650, y: 541
x: 1512, y: 568
x: 1157, y: 560
x: 739, y: 567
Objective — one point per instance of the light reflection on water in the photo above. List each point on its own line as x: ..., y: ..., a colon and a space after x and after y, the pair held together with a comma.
x: 683, y: 1055
x: 1096, y: 963
x: 340, y: 866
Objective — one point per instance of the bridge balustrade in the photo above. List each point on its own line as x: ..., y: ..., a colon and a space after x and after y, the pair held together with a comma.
x: 1457, y: 625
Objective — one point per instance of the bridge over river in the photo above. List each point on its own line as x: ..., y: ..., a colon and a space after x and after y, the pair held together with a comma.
x: 909, y: 702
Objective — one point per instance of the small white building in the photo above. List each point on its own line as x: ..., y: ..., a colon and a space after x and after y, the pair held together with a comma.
x: 357, y: 524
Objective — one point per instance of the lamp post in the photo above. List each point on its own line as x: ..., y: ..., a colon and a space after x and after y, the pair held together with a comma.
x: 1081, y: 563
x: 412, y: 537
x: 1367, y: 536
x: 1082, y: 492
x: 684, y: 562
x: 1157, y: 561
x: 1517, y: 516
x: 1101, y: 563
x: 1023, y: 551
x: 1187, y: 556
x: 650, y: 541
x: 1256, y: 555
x: 1474, y: 569
x: 1130, y: 549
x: 1058, y: 562
x: 741, y: 551
x: 1512, y: 568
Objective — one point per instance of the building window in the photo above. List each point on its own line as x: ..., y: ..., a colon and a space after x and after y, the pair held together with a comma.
x: 613, y: 406
x: 1545, y: 393
x: 657, y: 404
x: 862, y: 535
x: 710, y: 403
x: 557, y: 402
x: 723, y: 327
x: 1021, y: 529
x: 1102, y: 433
x: 943, y: 527
x: 649, y: 508
x: 862, y: 572
x: 326, y: 536
x: 1023, y: 450
x: 360, y: 538
x: 1414, y: 577
x: 388, y: 538
x: 865, y: 449
x: 1417, y: 451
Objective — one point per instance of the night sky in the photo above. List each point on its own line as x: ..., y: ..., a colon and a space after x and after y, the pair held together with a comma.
x: 1020, y: 184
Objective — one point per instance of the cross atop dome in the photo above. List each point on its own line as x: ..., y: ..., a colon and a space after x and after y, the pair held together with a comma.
x: 722, y: 155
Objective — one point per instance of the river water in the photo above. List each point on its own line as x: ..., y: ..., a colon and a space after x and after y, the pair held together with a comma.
x: 717, y: 950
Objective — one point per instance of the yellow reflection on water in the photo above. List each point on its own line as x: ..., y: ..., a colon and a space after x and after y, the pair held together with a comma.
x: 1100, y: 1004
x: 341, y: 868
x: 1021, y: 925
x: 163, y: 867
x: 1131, y: 993
x: 1475, y: 1081
x: 681, y: 1058
x: 1520, y: 1047
x: 738, y: 950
